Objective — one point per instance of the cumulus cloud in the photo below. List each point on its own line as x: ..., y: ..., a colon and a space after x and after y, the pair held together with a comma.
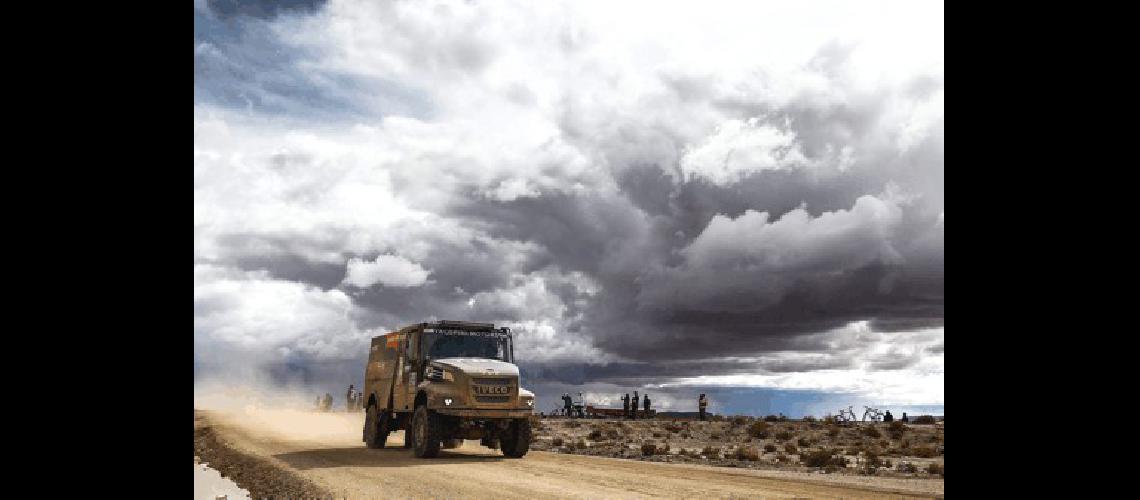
x: 387, y: 270
x: 740, y: 147
x: 711, y: 192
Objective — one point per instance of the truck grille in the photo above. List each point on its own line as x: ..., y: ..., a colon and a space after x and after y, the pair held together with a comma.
x: 493, y: 381
x: 492, y: 399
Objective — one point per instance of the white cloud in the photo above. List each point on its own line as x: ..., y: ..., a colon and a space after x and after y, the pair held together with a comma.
x: 267, y: 319
x: 388, y: 270
x: 741, y: 147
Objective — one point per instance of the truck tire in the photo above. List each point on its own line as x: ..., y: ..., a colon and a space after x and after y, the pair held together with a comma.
x: 516, y: 441
x: 375, y: 427
x: 425, y: 428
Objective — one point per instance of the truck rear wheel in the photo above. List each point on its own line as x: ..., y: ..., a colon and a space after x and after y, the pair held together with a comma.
x: 375, y: 427
x: 516, y: 441
x: 426, y: 433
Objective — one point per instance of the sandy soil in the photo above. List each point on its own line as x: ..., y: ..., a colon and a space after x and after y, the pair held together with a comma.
x: 325, y: 451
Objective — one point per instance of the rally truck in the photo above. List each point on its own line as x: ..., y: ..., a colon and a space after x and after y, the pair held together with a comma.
x: 443, y: 382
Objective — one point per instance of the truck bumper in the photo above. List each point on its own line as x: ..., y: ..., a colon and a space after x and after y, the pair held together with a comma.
x: 485, y: 413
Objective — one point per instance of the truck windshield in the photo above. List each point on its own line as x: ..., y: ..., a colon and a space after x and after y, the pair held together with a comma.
x: 467, y: 345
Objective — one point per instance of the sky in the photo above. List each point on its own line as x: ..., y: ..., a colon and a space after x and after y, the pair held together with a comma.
x: 743, y: 199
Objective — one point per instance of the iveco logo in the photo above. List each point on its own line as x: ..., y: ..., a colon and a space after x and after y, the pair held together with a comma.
x: 492, y: 389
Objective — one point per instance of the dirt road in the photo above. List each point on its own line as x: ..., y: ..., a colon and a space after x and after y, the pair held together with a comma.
x: 325, y: 449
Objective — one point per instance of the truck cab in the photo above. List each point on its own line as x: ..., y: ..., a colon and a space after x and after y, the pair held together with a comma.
x: 445, y: 381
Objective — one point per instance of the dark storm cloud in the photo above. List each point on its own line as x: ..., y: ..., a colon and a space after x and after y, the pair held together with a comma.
x: 264, y: 9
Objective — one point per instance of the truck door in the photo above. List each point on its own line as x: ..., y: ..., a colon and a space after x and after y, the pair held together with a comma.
x: 406, y: 378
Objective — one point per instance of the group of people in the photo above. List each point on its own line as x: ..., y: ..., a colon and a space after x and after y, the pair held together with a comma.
x: 891, y: 418
x: 572, y: 408
x: 629, y: 410
x: 354, y: 400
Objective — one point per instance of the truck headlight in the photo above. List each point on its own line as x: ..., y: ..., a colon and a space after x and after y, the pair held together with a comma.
x: 530, y: 403
x: 447, y: 401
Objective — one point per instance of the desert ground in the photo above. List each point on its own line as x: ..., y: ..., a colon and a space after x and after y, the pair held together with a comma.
x: 296, y: 453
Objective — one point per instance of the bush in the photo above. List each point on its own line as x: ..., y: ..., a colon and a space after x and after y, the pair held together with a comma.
x: 715, y: 436
x: 759, y: 429
x: 739, y: 420
x: 791, y: 449
x: 924, y: 452
x: 907, y: 467
x: 747, y: 453
x: 935, y: 469
x: 573, y: 424
x: 771, y: 418
x: 924, y: 419
x: 783, y: 436
x: 803, y: 442
x: 769, y: 447
x: 823, y: 458
x: 871, y: 432
x: 612, y: 433
x: 871, y: 463
x: 648, y: 448
x: 557, y: 441
x: 595, y: 435
x: 896, y: 429
x: 582, y: 444
x: 711, y: 452
x: 832, y: 431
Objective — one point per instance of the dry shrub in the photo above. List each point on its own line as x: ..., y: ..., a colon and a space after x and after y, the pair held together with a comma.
x: 871, y: 463
x: 769, y: 447
x: 871, y: 432
x: 573, y: 424
x: 648, y: 448
x: 781, y: 457
x: 739, y: 420
x: 924, y: 452
x: 803, y: 442
x: 658, y: 435
x: 832, y: 431
x: 759, y: 429
x: 582, y: 444
x: 896, y: 429
x: 771, y: 418
x: 612, y: 433
x: 711, y: 452
x: 790, y: 448
x: 823, y: 458
x: 924, y: 419
x: 595, y: 435
x: 747, y: 453
x: 556, y: 441
x: 715, y: 436
x: 934, y: 468
x: 907, y: 467
x: 783, y: 436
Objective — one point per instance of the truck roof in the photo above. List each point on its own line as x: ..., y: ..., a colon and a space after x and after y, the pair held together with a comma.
x: 451, y: 324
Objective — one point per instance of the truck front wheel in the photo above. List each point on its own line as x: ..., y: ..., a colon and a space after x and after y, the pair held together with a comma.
x: 516, y: 441
x: 426, y: 433
x: 375, y: 427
